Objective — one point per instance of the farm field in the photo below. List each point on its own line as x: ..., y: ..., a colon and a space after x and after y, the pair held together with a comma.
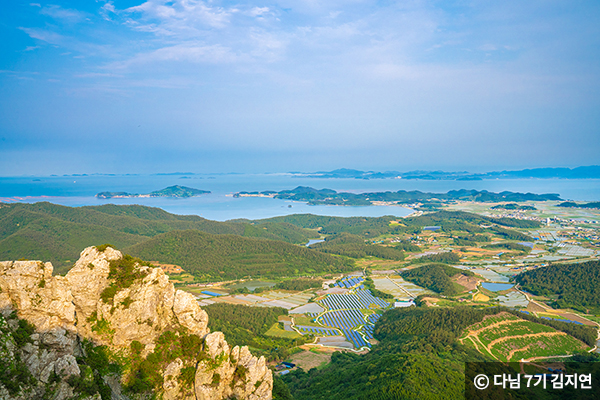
x: 506, y: 337
x: 398, y: 287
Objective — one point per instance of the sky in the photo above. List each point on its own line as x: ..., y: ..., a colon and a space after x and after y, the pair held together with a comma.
x: 304, y: 85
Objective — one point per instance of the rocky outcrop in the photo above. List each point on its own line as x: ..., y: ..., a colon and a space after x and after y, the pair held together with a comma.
x: 116, y: 311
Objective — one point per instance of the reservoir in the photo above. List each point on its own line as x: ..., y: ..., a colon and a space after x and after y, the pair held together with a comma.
x: 496, y: 287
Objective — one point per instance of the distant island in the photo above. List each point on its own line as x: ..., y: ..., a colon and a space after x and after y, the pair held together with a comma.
x: 331, y: 197
x: 571, y: 204
x: 514, y: 206
x: 171, y: 191
x: 540, y: 173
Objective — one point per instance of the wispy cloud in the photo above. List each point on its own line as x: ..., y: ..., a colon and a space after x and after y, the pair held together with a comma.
x: 180, y: 16
x: 63, y: 14
x: 191, y: 52
x: 44, y: 35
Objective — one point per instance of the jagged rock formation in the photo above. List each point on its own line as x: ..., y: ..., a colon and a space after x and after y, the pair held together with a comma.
x: 116, y: 302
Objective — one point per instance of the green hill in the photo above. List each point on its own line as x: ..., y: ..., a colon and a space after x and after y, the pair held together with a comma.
x: 210, y: 257
x: 569, y: 285
x: 418, y: 357
x: 171, y: 191
x: 354, y: 246
x: 57, y: 233
x: 449, y: 221
x: 436, y: 277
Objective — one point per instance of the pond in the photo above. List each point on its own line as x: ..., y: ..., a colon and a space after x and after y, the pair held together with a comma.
x: 313, y: 241
x: 496, y: 287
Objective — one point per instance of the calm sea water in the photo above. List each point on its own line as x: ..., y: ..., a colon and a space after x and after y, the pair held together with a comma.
x: 220, y: 205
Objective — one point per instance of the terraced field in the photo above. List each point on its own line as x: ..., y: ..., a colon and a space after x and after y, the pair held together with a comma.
x: 509, y: 338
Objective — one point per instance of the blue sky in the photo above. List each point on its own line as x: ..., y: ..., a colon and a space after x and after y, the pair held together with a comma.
x: 218, y: 86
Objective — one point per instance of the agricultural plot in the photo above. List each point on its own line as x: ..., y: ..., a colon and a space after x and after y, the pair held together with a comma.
x: 509, y: 338
x: 513, y: 299
x: 549, y: 345
x: 574, y: 251
x: 518, y: 328
x: 490, y: 275
x: 398, y: 287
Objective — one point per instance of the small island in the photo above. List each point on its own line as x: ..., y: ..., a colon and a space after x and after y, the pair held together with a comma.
x: 176, y: 191
x: 514, y: 207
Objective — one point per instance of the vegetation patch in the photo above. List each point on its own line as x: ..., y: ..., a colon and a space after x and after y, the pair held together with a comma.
x: 124, y: 272
x: 507, y: 337
x: 103, y: 247
x: 220, y: 257
x: 100, y: 326
x: 569, y: 285
x: 354, y: 246
x: 298, y: 284
x: 244, y: 325
x: 446, y: 258
x: 144, y: 375
x: 436, y: 277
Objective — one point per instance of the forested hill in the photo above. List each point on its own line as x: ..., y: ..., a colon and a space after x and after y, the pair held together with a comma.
x: 436, y: 277
x: 46, y: 231
x: 331, y: 197
x: 216, y: 257
x: 418, y: 357
x: 570, y: 285
x: 372, y: 227
x: 171, y: 191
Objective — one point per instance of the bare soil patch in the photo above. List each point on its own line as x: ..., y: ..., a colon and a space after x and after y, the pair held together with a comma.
x: 308, y: 359
x: 468, y: 282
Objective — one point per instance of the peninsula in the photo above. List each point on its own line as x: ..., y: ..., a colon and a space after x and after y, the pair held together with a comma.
x: 331, y: 197
x: 171, y: 191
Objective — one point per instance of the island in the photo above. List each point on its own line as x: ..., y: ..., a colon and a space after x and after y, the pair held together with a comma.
x: 171, y: 191
x: 331, y: 197
x: 584, y: 172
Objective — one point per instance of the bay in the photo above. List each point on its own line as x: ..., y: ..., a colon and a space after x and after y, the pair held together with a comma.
x: 221, y: 205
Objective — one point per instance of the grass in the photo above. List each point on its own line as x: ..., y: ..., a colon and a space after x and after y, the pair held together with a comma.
x: 304, y: 321
x: 545, y: 346
x: 516, y: 329
x: 277, y: 331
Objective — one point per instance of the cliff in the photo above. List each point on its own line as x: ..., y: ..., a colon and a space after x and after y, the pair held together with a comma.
x: 155, y: 337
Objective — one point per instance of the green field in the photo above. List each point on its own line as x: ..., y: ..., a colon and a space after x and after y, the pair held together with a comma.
x: 277, y: 331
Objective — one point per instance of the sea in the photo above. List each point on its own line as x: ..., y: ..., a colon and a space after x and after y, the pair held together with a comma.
x: 220, y: 205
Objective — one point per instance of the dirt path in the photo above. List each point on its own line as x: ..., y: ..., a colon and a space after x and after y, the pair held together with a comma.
x: 505, y: 322
x: 542, y: 358
x: 528, y: 335
x: 512, y: 352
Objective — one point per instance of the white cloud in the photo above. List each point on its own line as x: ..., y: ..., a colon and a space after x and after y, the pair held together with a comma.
x: 258, y: 11
x: 184, y: 52
x: 64, y: 14
x: 43, y: 35
x: 182, y: 15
